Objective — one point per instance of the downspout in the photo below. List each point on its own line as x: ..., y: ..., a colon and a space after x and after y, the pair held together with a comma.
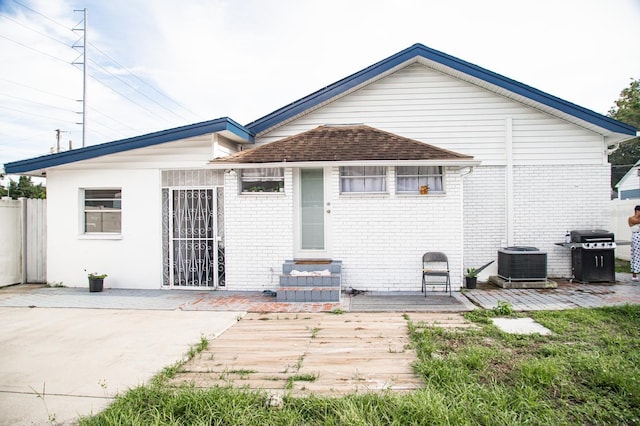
x: 462, y: 175
x: 509, y: 181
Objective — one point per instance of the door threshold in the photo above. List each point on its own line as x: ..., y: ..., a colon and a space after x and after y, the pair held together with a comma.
x: 312, y: 261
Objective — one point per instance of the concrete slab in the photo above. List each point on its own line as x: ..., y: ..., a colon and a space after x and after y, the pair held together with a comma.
x: 520, y: 326
x: 78, y: 359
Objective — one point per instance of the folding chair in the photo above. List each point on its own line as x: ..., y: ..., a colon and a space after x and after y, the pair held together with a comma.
x: 435, y: 264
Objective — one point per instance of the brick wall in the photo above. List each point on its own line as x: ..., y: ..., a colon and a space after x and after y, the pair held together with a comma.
x: 381, y: 239
x: 258, y: 235
x: 547, y: 201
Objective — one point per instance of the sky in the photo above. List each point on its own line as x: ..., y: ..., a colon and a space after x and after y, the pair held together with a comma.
x: 155, y: 65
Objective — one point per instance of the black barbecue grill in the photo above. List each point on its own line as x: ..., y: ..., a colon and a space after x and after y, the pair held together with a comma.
x: 592, y: 255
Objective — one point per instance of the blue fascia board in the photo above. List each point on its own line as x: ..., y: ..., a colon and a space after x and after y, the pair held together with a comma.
x: 347, y: 83
x: 79, y: 154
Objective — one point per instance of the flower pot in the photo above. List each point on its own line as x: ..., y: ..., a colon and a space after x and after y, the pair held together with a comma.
x: 96, y: 284
x: 470, y: 282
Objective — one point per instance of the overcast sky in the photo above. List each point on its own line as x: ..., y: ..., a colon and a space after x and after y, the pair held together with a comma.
x: 159, y: 64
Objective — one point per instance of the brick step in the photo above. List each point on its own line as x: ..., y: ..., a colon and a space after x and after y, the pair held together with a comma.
x: 308, y: 294
x: 332, y: 280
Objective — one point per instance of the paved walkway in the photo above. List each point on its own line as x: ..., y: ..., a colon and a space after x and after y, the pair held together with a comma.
x: 318, y: 354
x: 486, y: 296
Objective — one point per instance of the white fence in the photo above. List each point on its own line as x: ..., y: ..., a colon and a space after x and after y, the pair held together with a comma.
x: 23, y: 241
x: 620, y: 212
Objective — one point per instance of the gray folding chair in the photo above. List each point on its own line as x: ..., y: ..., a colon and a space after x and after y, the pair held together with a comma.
x: 435, y: 265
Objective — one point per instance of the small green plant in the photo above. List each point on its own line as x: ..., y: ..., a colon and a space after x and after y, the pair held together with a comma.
x: 473, y: 272
x: 314, y: 332
x: 97, y: 276
x: 337, y: 311
x: 51, y: 417
x: 503, y: 308
x: 300, y: 378
x: 56, y: 284
x: 243, y: 373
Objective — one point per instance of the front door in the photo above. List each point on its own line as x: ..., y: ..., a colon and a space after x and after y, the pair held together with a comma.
x: 312, y: 241
x: 193, y: 248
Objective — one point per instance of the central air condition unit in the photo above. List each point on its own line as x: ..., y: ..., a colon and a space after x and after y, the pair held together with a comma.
x: 522, y: 264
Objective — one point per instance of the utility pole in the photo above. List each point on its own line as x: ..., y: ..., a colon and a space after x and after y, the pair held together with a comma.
x: 58, y: 131
x: 58, y: 136
x: 84, y: 70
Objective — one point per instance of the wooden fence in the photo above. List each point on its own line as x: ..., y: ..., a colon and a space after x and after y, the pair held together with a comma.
x: 23, y: 241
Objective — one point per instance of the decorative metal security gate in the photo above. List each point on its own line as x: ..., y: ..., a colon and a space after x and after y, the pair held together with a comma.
x: 193, y: 240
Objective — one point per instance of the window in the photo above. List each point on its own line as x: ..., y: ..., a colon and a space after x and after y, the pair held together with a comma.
x: 102, y: 210
x: 262, y: 180
x: 363, y: 179
x: 409, y: 179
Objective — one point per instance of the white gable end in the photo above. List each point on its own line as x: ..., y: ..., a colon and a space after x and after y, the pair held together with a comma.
x: 424, y: 104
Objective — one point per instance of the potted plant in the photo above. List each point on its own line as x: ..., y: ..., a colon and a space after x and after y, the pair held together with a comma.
x: 471, y: 275
x: 96, y: 282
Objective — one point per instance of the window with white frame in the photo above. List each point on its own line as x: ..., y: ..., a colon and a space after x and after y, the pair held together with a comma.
x: 102, y: 210
x: 262, y: 180
x: 409, y: 179
x: 363, y: 179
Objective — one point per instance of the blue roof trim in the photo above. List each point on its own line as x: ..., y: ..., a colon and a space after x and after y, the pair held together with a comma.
x: 189, y: 131
x: 378, y: 68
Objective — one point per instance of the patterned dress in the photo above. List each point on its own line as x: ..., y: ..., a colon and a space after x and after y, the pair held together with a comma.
x: 635, y: 252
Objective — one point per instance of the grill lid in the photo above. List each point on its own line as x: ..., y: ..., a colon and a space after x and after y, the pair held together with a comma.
x: 591, y: 235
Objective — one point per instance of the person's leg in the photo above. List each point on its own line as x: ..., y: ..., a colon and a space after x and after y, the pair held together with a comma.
x: 635, y: 255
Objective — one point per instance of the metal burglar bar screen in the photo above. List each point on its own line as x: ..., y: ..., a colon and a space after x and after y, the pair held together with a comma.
x: 194, y: 238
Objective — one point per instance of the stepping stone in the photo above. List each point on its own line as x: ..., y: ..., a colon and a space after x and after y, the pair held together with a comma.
x: 520, y: 326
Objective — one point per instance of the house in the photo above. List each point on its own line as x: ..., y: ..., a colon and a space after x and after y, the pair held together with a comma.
x: 629, y: 186
x: 336, y: 178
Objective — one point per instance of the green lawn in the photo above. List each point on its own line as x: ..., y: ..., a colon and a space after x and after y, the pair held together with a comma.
x: 587, y: 372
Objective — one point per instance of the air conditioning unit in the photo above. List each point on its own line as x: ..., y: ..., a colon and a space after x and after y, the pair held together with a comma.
x: 522, y: 264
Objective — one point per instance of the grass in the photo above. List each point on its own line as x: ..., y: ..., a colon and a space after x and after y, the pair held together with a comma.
x: 622, y: 265
x: 586, y: 372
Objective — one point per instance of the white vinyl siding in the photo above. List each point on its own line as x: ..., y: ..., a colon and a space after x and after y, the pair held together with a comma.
x: 423, y: 104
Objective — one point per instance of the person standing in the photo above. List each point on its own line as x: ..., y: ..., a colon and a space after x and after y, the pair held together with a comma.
x: 634, y: 224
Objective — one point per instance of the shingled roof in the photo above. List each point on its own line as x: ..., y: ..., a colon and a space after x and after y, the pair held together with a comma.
x: 342, y: 143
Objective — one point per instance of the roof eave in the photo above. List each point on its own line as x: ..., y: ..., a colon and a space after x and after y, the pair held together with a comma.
x: 38, y: 165
x: 314, y: 164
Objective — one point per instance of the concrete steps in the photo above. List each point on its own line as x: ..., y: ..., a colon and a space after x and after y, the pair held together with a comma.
x: 310, y: 281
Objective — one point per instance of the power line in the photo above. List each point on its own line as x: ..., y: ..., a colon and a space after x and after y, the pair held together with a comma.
x: 138, y: 91
x: 34, y: 114
x: 125, y: 97
x: 36, y: 31
x: 35, y: 50
x: 39, y: 90
x: 142, y: 81
x: 34, y: 102
x: 44, y: 16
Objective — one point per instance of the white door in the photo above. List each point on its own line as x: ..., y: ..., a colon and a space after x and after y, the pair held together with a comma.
x: 312, y: 236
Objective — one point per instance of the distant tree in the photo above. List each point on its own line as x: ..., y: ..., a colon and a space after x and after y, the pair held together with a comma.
x: 3, y: 190
x: 627, y: 110
x: 25, y: 188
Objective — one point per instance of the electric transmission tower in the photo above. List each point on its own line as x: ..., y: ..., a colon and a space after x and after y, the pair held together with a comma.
x: 84, y: 64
